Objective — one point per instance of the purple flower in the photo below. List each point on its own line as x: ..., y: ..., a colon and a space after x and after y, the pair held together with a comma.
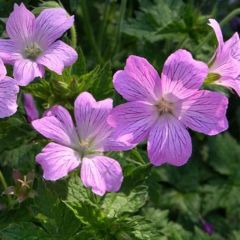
x: 33, y: 43
x: 226, y: 60
x: 30, y: 107
x: 208, y: 228
x: 8, y: 93
x: 82, y: 146
x: 161, y: 110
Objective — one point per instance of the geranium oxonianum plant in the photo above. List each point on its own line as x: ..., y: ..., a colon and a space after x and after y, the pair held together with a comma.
x: 34, y: 44
x: 83, y: 147
x: 160, y: 110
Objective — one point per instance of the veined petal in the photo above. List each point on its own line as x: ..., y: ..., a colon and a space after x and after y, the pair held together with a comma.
x: 51, y: 24
x: 20, y: 24
x: 132, y: 121
x: 182, y: 75
x: 204, y: 112
x: 102, y: 174
x: 57, y: 56
x: 138, y: 81
x: 169, y: 142
x: 8, y: 97
x: 25, y: 71
x: 57, y: 161
x: 3, y: 70
x: 91, y: 119
x: 9, y: 51
x: 57, y: 125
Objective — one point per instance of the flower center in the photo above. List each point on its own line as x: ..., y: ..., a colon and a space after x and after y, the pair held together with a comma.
x: 32, y: 51
x: 164, y: 106
x: 85, y: 148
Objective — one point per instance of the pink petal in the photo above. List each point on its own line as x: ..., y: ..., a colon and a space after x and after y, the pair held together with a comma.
x: 51, y: 24
x: 91, y: 118
x: 57, y: 161
x: 8, y: 97
x: 57, y: 56
x: 9, y: 51
x: 230, y: 83
x: 132, y: 121
x: 182, y: 75
x: 102, y: 174
x: 3, y: 70
x: 58, y: 126
x: 20, y: 24
x: 25, y: 71
x: 169, y: 142
x: 138, y: 81
x: 30, y: 107
x: 216, y: 27
x: 205, y: 112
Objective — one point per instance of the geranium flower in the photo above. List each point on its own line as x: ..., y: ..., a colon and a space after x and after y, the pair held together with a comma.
x: 82, y: 147
x: 8, y: 93
x: 33, y: 43
x: 30, y: 107
x: 161, y: 110
x: 224, y: 68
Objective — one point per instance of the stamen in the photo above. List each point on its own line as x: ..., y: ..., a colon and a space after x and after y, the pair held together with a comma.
x: 32, y: 51
x: 164, y: 106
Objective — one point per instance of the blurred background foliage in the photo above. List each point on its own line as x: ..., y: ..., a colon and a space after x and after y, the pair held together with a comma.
x: 198, y: 201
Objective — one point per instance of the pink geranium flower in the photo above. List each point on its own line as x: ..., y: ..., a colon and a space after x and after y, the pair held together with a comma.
x: 82, y: 147
x: 8, y: 93
x: 226, y: 61
x: 33, y: 43
x: 161, y: 110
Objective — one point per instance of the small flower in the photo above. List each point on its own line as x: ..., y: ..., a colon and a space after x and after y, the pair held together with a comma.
x: 30, y: 107
x: 224, y: 68
x: 8, y: 93
x: 207, y: 227
x: 82, y: 147
x: 161, y: 110
x: 33, y: 43
x: 23, y: 186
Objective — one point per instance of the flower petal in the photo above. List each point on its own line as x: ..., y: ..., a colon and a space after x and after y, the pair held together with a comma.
x: 102, y: 174
x: 132, y: 121
x: 25, y: 71
x: 182, y: 75
x: 230, y: 83
x: 20, y: 24
x: 91, y: 118
x: 8, y: 97
x: 51, y: 24
x: 169, y: 142
x: 204, y: 112
x: 58, y: 126
x: 9, y: 51
x: 3, y: 70
x: 216, y: 27
x: 138, y: 81
x: 57, y: 161
x: 30, y: 107
x: 58, y: 56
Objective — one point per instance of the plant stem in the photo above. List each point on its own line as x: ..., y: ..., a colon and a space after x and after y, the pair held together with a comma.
x: 120, y: 23
x: 73, y: 36
x: 89, y: 30
x: 5, y: 186
x: 232, y: 14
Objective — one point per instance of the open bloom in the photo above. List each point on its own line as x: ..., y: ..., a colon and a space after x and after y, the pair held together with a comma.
x: 82, y: 146
x: 161, y: 110
x: 33, y: 43
x: 224, y: 68
x: 30, y: 107
x: 8, y: 93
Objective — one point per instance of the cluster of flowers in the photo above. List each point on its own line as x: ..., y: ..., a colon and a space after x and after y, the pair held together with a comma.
x: 159, y: 108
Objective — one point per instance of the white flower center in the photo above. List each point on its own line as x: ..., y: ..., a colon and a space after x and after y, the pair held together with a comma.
x: 85, y: 147
x: 32, y: 51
